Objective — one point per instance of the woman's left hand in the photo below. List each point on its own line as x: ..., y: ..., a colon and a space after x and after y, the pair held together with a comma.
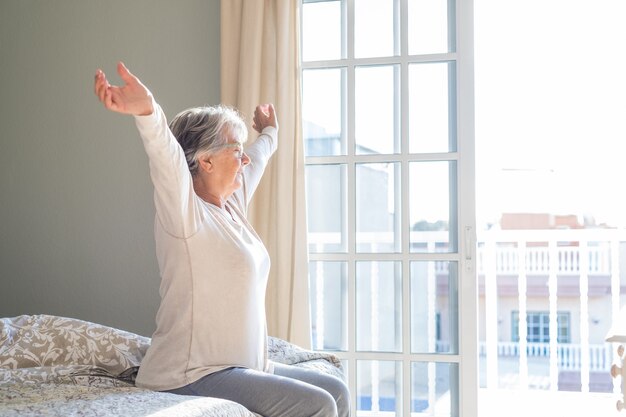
x: 264, y: 116
x: 131, y: 98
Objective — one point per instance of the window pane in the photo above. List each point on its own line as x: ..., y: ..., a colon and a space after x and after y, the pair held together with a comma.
x: 379, y: 306
x: 434, y: 307
x: 433, y: 206
x: 514, y: 326
x: 379, y: 387
x: 374, y: 28
x: 376, y: 109
x: 432, y: 114
x: 377, y: 207
x: 428, y: 27
x: 563, y: 324
x: 328, y: 283
x: 326, y: 191
x: 321, y: 31
x: 433, y: 388
x: 323, y: 112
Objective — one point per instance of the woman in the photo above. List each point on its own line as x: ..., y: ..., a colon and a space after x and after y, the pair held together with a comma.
x: 211, y: 336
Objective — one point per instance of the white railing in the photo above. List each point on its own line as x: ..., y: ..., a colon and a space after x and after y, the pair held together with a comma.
x: 569, y: 355
x: 537, y: 260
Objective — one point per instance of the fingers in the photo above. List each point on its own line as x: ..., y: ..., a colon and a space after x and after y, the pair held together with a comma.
x: 124, y: 73
x: 108, y: 100
x: 104, y: 91
x: 96, y: 81
x: 256, y: 124
x: 271, y: 112
x: 100, y: 85
x: 256, y: 120
x: 272, y: 120
x: 261, y: 112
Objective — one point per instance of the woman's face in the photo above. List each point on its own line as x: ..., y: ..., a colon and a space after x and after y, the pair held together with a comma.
x: 228, y: 164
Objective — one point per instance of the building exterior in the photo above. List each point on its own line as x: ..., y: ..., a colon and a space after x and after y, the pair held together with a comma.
x: 582, y: 287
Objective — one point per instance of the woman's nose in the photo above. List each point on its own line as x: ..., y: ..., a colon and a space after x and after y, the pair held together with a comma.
x: 245, y: 159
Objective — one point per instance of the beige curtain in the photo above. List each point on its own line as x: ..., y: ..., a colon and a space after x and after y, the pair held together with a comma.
x: 259, y: 64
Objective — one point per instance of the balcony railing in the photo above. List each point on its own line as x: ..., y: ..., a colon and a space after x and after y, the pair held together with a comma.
x: 569, y: 355
x: 537, y: 260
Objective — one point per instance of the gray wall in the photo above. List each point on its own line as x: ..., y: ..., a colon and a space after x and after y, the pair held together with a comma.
x: 76, y: 212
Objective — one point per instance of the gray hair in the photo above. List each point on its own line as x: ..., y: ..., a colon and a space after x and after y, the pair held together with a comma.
x: 202, y: 130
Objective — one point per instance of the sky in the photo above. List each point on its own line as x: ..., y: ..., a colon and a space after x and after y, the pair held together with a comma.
x: 551, y: 107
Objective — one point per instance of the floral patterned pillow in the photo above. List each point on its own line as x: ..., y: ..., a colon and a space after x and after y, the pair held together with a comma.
x: 43, y: 340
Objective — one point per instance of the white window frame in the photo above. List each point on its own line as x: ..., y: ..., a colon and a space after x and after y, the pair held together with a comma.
x: 467, y: 358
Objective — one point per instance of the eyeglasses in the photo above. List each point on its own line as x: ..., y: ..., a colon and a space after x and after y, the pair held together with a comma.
x: 236, y: 145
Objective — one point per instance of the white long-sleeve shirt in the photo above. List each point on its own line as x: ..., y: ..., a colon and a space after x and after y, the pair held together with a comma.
x: 214, y: 268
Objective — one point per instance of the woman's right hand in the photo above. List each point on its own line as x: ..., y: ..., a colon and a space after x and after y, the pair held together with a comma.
x: 264, y: 115
x: 131, y: 98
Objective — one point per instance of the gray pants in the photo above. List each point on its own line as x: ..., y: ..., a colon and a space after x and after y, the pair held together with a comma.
x: 290, y: 391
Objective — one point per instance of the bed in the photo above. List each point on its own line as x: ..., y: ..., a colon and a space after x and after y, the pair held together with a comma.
x: 60, y: 366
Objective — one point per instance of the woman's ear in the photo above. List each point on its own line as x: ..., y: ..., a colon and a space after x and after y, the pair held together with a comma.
x: 205, y: 164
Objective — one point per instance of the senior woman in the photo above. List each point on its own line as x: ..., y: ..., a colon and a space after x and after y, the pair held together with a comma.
x: 211, y: 335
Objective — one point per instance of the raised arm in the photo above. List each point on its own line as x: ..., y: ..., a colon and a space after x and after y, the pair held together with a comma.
x: 173, y: 187
x: 266, y: 123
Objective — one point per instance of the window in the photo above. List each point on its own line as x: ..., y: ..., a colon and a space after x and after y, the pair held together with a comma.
x: 538, y: 325
x: 388, y: 158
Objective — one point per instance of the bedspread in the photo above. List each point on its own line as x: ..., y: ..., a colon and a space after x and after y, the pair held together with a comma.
x: 58, y: 366
x: 76, y: 400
